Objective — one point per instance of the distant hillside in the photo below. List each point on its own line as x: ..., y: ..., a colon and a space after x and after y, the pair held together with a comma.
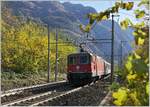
x: 69, y: 16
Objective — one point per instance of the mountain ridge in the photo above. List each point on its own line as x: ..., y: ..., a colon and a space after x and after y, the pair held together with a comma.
x: 69, y: 16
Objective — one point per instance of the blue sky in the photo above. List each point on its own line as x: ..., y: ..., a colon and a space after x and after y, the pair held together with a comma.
x: 101, y: 5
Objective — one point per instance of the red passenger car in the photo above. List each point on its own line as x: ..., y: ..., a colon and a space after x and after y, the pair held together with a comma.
x: 84, y: 67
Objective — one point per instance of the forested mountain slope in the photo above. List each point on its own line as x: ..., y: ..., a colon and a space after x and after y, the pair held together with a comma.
x: 69, y: 16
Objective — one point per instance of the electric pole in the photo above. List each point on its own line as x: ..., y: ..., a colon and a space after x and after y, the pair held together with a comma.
x: 112, y: 49
x: 56, y: 64
x: 49, y: 69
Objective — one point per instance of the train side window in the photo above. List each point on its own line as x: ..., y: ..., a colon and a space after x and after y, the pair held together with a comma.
x: 83, y: 59
x: 72, y: 60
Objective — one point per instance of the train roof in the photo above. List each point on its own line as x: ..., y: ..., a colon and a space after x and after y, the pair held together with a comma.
x: 79, y: 53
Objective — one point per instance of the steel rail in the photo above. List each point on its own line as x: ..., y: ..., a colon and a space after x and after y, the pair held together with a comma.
x: 43, y: 103
x: 29, y: 91
x: 27, y: 99
x: 68, y: 92
x: 13, y: 91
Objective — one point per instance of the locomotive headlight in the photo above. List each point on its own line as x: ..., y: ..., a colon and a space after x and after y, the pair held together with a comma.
x: 77, y: 67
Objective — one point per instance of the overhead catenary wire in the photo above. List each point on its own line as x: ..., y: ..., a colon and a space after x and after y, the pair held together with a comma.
x: 61, y: 43
x: 116, y: 33
x: 109, y: 29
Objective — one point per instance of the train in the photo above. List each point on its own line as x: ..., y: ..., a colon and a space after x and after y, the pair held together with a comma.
x: 84, y: 67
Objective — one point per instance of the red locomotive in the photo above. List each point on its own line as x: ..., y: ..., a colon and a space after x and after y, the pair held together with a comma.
x: 85, y: 67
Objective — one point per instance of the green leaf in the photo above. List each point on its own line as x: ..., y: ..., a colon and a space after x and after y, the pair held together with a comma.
x: 129, y: 21
x: 117, y: 4
x: 134, y: 97
x: 92, y: 17
x: 128, y: 65
x: 124, y: 24
x: 123, y: 5
x: 135, y: 33
x: 137, y: 56
x: 81, y: 27
x: 114, y: 9
x: 120, y: 96
x: 130, y: 58
x: 147, y: 88
x: 114, y: 86
x: 99, y: 17
x: 87, y: 28
x: 139, y: 13
x: 140, y: 31
x: 140, y: 67
x: 131, y: 76
x: 139, y: 25
x: 143, y: 2
x: 136, y: 11
x: 140, y: 41
x: 129, y: 5
x: 104, y: 17
x: 91, y: 21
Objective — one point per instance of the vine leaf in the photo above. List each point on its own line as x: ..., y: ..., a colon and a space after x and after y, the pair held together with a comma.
x: 135, y: 33
x: 137, y: 56
x: 92, y: 17
x: 147, y: 88
x: 139, y: 66
x: 133, y: 96
x: 140, y: 41
x: 124, y: 24
x: 87, y: 28
x: 129, y: 5
x: 139, y: 13
x: 131, y: 76
x: 120, y: 96
x: 128, y: 65
x: 143, y: 2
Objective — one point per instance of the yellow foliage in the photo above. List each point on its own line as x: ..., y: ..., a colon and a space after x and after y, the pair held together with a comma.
x: 140, y: 41
x: 135, y: 100
x: 120, y: 96
x: 147, y: 88
x: 128, y: 65
x: 104, y: 17
x: 131, y: 76
x: 24, y: 49
x: 137, y: 56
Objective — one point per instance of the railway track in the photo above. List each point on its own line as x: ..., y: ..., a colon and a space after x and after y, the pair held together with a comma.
x: 13, y: 91
x: 42, y: 94
x: 35, y: 98
x: 65, y: 99
x: 19, y: 95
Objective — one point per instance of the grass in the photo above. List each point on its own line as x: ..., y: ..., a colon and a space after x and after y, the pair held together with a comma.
x: 11, y: 80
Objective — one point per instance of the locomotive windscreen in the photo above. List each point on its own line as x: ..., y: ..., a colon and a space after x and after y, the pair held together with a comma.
x: 84, y: 59
x: 72, y: 60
